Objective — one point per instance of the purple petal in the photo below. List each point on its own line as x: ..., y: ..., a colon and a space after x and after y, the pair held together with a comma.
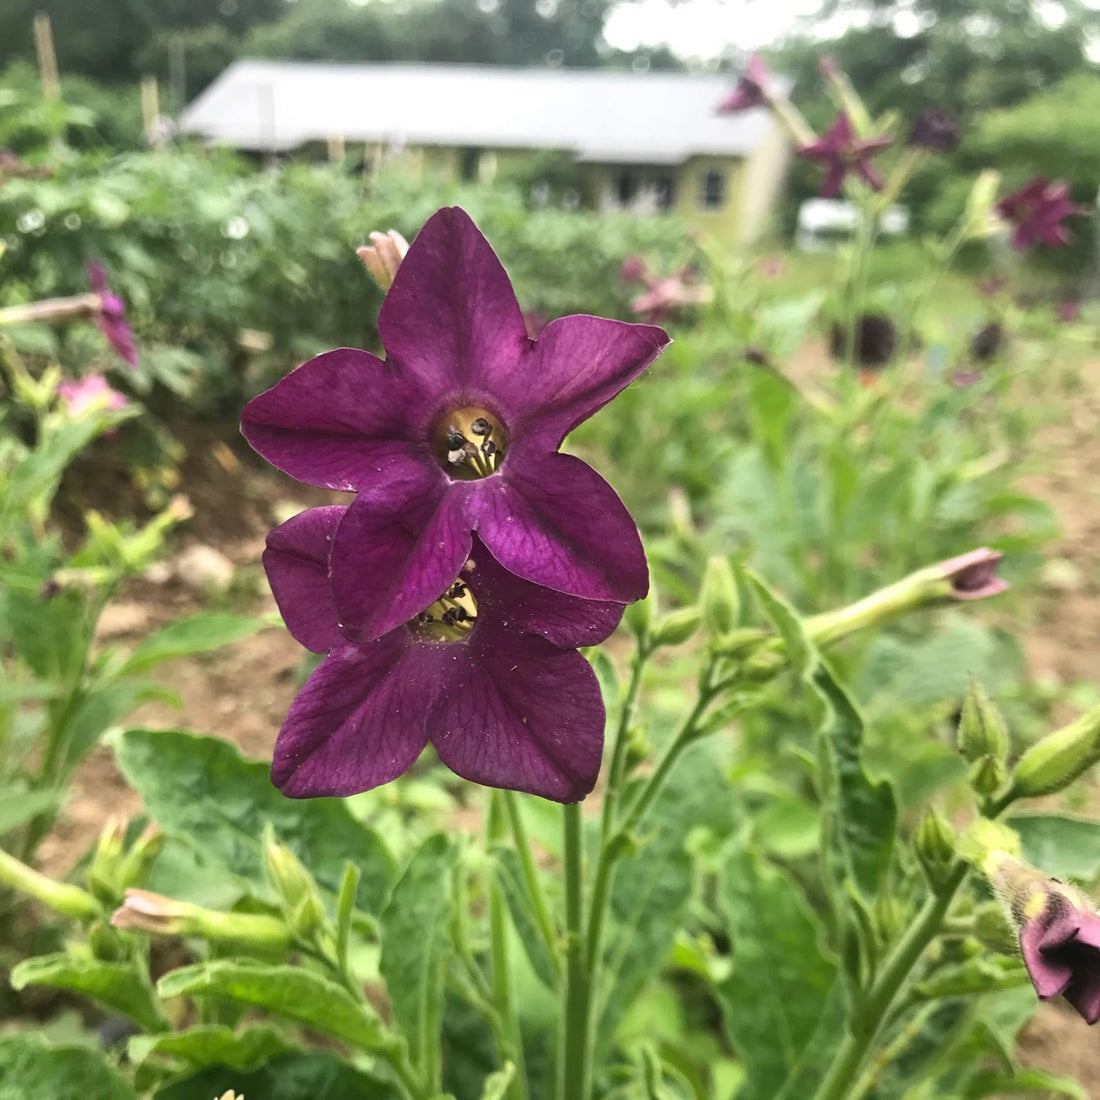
x: 552, y: 520
x: 344, y: 420
x: 1041, y: 941
x: 575, y: 367
x: 834, y: 178
x: 359, y: 721
x: 451, y: 317
x: 507, y: 603
x: 525, y: 717
x: 398, y: 548
x: 296, y: 560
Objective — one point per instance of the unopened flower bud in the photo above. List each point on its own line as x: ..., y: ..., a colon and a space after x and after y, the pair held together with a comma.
x: 720, y: 599
x: 640, y: 616
x: 105, y: 942
x: 986, y: 776
x: 934, y: 843
x: 637, y: 746
x: 383, y: 256
x: 1052, y: 763
x: 103, y: 874
x: 993, y: 930
x: 139, y: 860
x: 144, y: 911
x: 981, y: 728
x: 677, y: 627
x: 294, y: 885
x: 59, y: 896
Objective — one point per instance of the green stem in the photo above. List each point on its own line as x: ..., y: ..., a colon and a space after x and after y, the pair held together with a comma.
x: 532, y: 878
x: 840, y: 1079
x: 509, y: 1039
x: 574, y: 1071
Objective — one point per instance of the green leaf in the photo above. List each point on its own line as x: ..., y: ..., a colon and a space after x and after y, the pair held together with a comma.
x: 31, y: 1069
x: 115, y: 985
x: 509, y: 874
x: 1063, y: 845
x: 291, y: 1077
x: 196, y: 635
x: 415, y: 944
x: 201, y: 790
x: 17, y: 806
x: 104, y: 708
x: 775, y: 998
x: 1023, y: 1081
x: 289, y: 991
x: 214, y: 1045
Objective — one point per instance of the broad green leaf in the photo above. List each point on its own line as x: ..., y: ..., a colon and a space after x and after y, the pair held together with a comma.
x: 196, y: 635
x: 106, y: 707
x: 49, y: 635
x: 201, y: 790
x: 214, y: 1045
x: 17, y: 806
x: 291, y: 1077
x: 289, y: 991
x: 31, y: 1069
x: 1061, y: 844
x: 788, y: 827
x: 117, y: 986
x: 652, y: 889
x: 1027, y: 1081
x: 776, y: 996
x: 414, y: 929
x: 509, y: 874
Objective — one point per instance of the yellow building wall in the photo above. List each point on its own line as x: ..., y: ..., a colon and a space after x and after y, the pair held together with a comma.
x: 721, y: 222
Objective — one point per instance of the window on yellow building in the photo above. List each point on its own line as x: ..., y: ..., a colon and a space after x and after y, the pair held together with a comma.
x: 712, y: 189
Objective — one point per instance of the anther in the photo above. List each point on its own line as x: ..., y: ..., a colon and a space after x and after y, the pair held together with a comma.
x: 457, y: 591
x: 455, y: 439
x: 488, y: 447
x: 456, y: 458
x: 425, y: 617
x: 481, y: 426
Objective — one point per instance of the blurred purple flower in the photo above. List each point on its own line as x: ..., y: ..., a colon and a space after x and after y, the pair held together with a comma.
x: 488, y: 674
x: 1059, y: 934
x: 633, y: 270
x: 842, y: 152
x: 457, y: 432
x: 89, y: 392
x: 1068, y: 310
x: 1037, y: 211
x: 936, y: 130
x: 973, y: 575
x: 876, y: 340
x: 752, y: 89
x: 964, y: 378
x: 111, y: 317
x: 987, y: 341
x: 665, y: 298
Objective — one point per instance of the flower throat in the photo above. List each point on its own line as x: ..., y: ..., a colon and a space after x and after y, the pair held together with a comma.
x: 470, y: 443
x: 450, y: 618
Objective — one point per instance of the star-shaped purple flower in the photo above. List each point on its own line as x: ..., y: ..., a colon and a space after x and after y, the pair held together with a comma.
x: 842, y: 152
x: 1059, y: 940
x: 1037, y: 211
x: 456, y: 432
x: 488, y: 673
x: 90, y: 392
x: 111, y: 317
x: 751, y: 90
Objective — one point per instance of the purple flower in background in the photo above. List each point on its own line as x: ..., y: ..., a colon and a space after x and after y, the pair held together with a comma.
x: 665, y: 298
x: 1068, y: 310
x: 842, y: 152
x: 1059, y: 934
x: 87, y: 393
x: 633, y: 270
x: 488, y: 673
x: 752, y: 89
x: 111, y: 317
x: 455, y: 432
x: 1037, y: 211
x: 973, y: 575
x: 936, y: 130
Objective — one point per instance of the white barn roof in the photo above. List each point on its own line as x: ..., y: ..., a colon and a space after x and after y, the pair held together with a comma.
x: 598, y: 115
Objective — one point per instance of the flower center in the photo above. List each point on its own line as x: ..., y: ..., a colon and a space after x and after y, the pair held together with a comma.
x: 450, y: 618
x: 470, y: 443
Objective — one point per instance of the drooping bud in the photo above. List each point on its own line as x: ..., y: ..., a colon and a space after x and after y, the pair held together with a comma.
x: 934, y: 843
x: 676, y: 627
x: 59, y: 896
x: 981, y: 728
x: 1055, y: 761
x: 144, y: 911
x: 973, y: 576
x: 720, y: 599
x: 295, y: 886
x: 383, y: 256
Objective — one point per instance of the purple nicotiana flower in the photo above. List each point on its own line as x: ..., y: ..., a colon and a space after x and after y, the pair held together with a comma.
x: 92, y: 391
x: 488, y: 673
x: 752, y: 88
x: 1037, y: 212
x: 842, y: 152
x: 1059, y: 933
x: 456, y: 432
x: 973, y: 575
x: 111, y: 317
x: 936, y: 130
